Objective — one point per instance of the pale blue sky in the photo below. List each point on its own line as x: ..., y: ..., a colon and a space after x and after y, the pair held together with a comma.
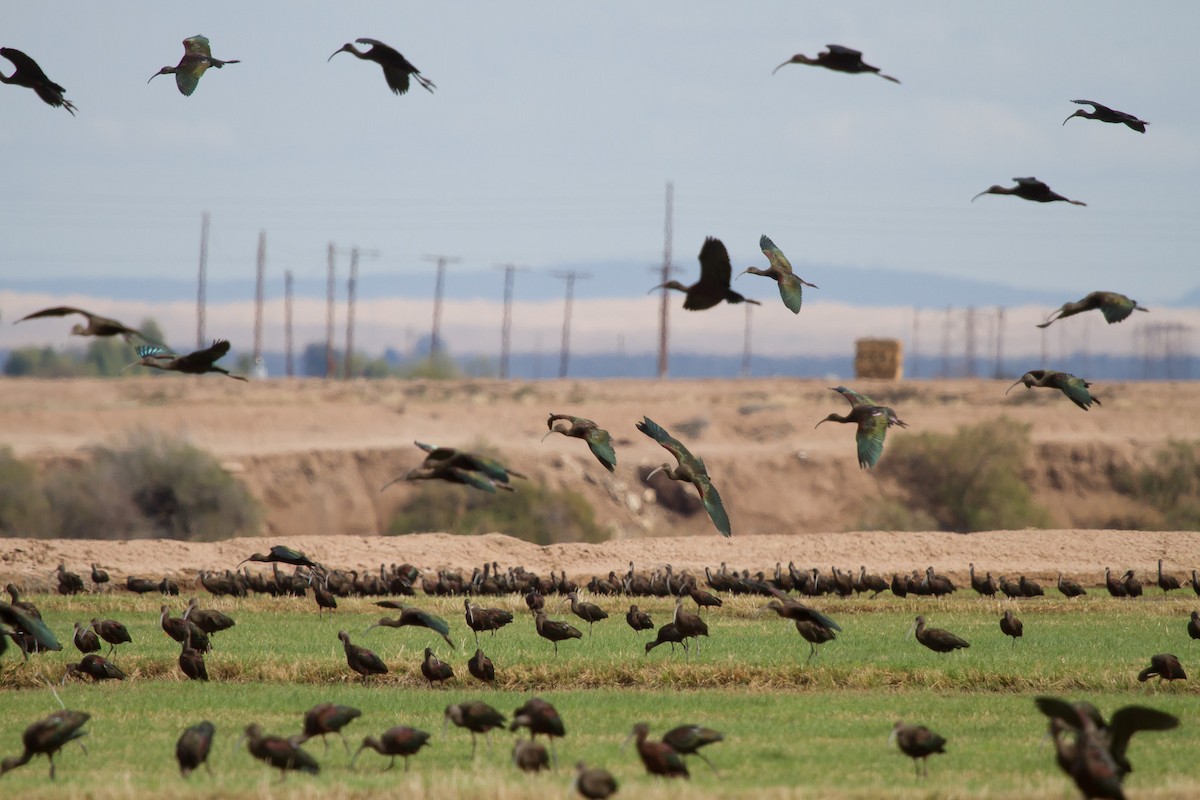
x: 556, y: 124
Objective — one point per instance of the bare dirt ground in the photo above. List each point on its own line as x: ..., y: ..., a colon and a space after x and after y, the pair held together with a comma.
x: 315, y: 454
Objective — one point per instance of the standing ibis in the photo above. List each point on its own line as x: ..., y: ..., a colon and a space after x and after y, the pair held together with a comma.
x: 1073, y: 387
x: 197, y: 57
x: 1105, y: 114
x: 1029, y: 189
x: 1193, y: 626
x: 1011, y: 626
x: 183, y: 631
x: 30, y: 75
x: 112, y: 632
x: 48, y: 736
x: 688, y: 739
x: 195, y: 363
x: 985, y: 586
x: 362, y: 660
x: 791, y: 285
x: 326, y: 718
x: 598, y: 439
x: 538, y: 716
x: 588, y: 612
x: 396, y: 68
x: 86, y: 640
x: 1168, y: 583
x: 1165, y: 666
x: 689, y: 469
x: 481, y: 667
x: 668, y: 633
x: 838, y: 59
x: 936, y: 639
x: 415, y: 617
x: 435, y: 670
x: 68, y: 582
x: 638, y: 620
x: 594, y: 783
x: 477, y: 717
x: 713, y: 286
x: 1114, y: 306
x: 278, y: 752
x: 192, y: 748
x: 484, y: 619
x: 206, y: 619
x: 191, y: 663
x: 400, y: 741
x: 1069, y: 588
x: 918, y: 743
x: 98, y: 668
x: 530, y: 756
x: 99, y: 576
x: 689, y: 625
x: 554, y: 630
x: 657, y: 757
x: 24, y: 606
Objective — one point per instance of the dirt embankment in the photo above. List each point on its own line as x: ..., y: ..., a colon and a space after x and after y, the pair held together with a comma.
x: 316, y: 454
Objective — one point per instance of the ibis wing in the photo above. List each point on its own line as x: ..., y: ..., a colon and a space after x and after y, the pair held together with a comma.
x: 24, y: 64
x: 16, y: 618
x: 658, y: 434
x: 203, y: 359
x: 1076, y: 389
x: 791, y: 291
x: 713, y: 505
x: 471, y: 478
x: 816, y: 616
x: 774, y: 254
x: 187, y: 75
x: 152, y: 351
x: 1057, y: 708
x: 1032, y: 183
x: 197, y: 46
x: 600, y: 443
x: 715, y: 269
x: 872, y: 428
x: 1129, y: 720
x: 855, y: 398
x: 56, y: 311
x: 1096, y: 106
x: 1115, y: 307
x: 844, y: 52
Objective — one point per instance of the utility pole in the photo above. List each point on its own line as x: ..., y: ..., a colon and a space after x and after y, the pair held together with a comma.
x: 435, y: 339
x: 569, y: 276
x: 506, y: 325
x: 201, y: 290
x: 351, y: 298
x: 969, y: 355
x: 914, y: 352
x: 998, y: 372
x: 745, y: 370
x: 330, y: 296
x: 288, y: 342
x: 664, y: 301
x: 260, y: 266
x: 946, y: 324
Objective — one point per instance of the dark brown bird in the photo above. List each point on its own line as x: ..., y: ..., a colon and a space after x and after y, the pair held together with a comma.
x: 1011, y: 626
x: 814, y: 633
x: 205, y: 619
x: 1133, y: 587
x: 477, y: 717
x: 638, y: 620
x: 191, y: 662
x: 415, y: 617
x: 396, y: 68
x: 362, y: 660
x: 539, y: 717
x: 838, y: 59
x: 598, y: 440
x: 554, y: 630
x: 193, y: 746
x: 713, y: 286
x: 1072, y: 386
x: 183, y: 630
x: 24, y: 606
x: 936, y: 639
x: 918, y: 743
x: 985, y: 586
x: 282, y: 554
x: 481, y: 667
x: 139, y: 585
x: 658, y: 758
x: 688, y: 739
x: 594, y: 783
x: 1030, y: 587
x: 68, y: 582
x: 530, y: 756
x: 668, y: 633
x: 588, y: 612
x: 98, y: 575
x: 1193, y: 626
x: 98, y: 668
x: 197, y: 58
x: 1115, y: 308
x: 1165, y: 666
x: 196, y: 363
x: 112, y: 632
x: 1106, y: 114
x: 398, y: 741
x: 47, y: 737
x: 435, y: 670
x: 30, y: 75
x: 1168, y: 583
x: 1029, y: 189
x: 688, y: 469
x: 1069, y: 588
x: 485, y: 619
x: 690, y: 626
x: 86, y: 640
x: 278, y: 752
x: 1114, y: 585
x: 324, y: 719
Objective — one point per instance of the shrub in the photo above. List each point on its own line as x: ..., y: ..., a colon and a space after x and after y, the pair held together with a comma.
x: 533, y: 512
x: 151, y: 486
x: 970, y: 480
x: 1170, y: 485
x: 23, y: 508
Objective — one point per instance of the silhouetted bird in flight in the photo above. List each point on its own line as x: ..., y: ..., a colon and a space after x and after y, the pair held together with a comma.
x: 30, y: 75
x: 1029, y: 189
x: 196, y: 363
x: 713, y: 286
x: 396, y: 68
x: 838, y: 59
x: 1105, y: 114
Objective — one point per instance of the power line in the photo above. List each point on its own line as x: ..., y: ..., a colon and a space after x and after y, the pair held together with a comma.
x: 351, y: 298
x: 201, y: 299
x: 569, y: 276
x: 435, y: 340
x: 506, y: 325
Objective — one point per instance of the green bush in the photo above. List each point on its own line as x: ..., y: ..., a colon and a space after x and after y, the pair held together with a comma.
x: 23, y: 507
x: 1170, y: 485
x: 970, y: 480
x: 533, y: 512
x: 151, y: 486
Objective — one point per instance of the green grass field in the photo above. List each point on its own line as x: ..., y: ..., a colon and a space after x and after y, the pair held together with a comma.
x: 793, y: 729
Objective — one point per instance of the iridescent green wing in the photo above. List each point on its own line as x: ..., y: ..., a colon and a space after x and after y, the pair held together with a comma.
x: 471, y: 478
x: 16, y: 618
x: 872, y: 428
x: 600, y: 443
x: 712, y: 504
x: 1076, y: 389
x: 855, y: 398
x: 790, y: 288
x: 1116, y: 307
x: 670, y: 443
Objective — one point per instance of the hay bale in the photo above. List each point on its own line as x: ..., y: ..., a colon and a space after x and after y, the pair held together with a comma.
x: 879, y: 358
